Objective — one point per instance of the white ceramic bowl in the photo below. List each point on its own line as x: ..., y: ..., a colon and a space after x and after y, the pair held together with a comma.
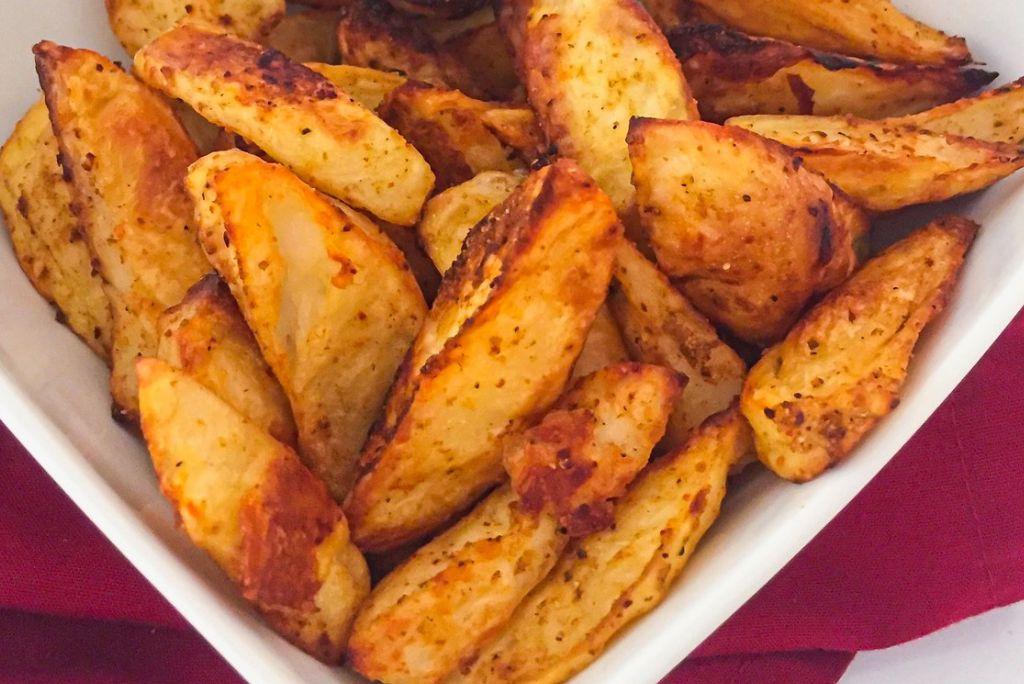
x: 53, y: 397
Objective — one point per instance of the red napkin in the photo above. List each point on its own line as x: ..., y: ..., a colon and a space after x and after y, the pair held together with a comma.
x: 945, y: 518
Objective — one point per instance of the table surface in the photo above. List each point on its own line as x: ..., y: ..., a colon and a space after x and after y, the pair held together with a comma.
x: 987, y: 648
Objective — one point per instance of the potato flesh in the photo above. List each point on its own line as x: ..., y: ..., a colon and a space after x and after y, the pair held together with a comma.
x: 36, y: 204
x: 126, y: 154
x: 589, y: 66
x: 813, y: 397
x: 497, y: 346
x: 368, y: 87
x: 438, y: 608
x: 606, y: 580
x: 293, y: 114
x: 660, y: 326
x: 333, y: 307
x: 994, y: 116
x: 137, y: 22
x: 245, y: 498
x: 884, y: 166
x: 749, y: 233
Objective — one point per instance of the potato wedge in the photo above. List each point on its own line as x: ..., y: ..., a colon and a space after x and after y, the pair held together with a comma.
x: 438, y: 8
x: 489, y: 60
x: 368, y: 87
x: 733, y: 74
x: 309, y: 36
x: 206, y: 338
x: 333, y: 307
x: 670, y: 14
x: 36, y: 204
x: 608, y: 579
x: 884, y: 166
x: 872, y: 29
x: 603, y: 347
x: 295, y: 115
x: 247, y: 500
x: 813, y: 397
x: 660, y: 326
x: 589, y: 66
x: 373, y: 34
x: 125, y: 154
x: 137, y: 22
x: 750, y: 233
x: 994, y: 116
x: 497, y: 347
x: 438, y: 608
x: 461, y: 137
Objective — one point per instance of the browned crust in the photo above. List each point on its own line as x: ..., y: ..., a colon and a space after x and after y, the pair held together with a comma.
x: 446, y: 9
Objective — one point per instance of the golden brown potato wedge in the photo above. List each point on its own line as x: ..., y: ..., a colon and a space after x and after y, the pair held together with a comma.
x: 603, y: 347
x: 749, y: 232
x: 125, y: 154
x: 733, y: 74
x: 294, y: 114
x: 333, y: 307
x: 461, y: 137
x: 813, y: 397
x: 872, y: 29
x: 137, y: 22
x: 36, y: 203
x: 608, y: 579
x: 373, y: 34
x: 489, y: 60
x: 438, y: 608
x: 497, y: 347
x: 247, y: 500
x: 206, y: 338
x: 438, y: 8
x: 309, y: 36
x: 661, y: 326
x: 994, y: 116
x: 884, y: 166
x: 589, y: 66
x: 366, y: 86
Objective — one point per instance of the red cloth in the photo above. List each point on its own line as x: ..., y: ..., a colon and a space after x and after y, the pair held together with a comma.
x: 946, y: 518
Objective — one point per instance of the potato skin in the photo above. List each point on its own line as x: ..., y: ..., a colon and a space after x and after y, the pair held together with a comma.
x: 872, y: 29
x: 331, y: 301
x: 137, y: 22
x: 660, y: 326
x: 248, y: 501
x: 206, y: 337
x: 750, y: 234
x: 733, y: 74
x: 884, y: 166
x: 995, y: 115
x: 588, y: 67
x: 813, y: 397
x: 497, y: 347
x: 604, y: 581
x: 36, y: 203
x: 125, y: 154
x: 444, y: 603
x: 292, y: 113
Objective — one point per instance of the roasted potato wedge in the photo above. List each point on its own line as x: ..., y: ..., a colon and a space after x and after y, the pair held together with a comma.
x: 137, y: 22
x: 813, y: 397
x: 438, y: 8
x: 603, y: 347
x: 872, y: 29
x: 733, y: 74
x: 661, y: 326
x: 608, y: 579
x: 497, y: 347
x: 369, y: 87
x: 333, y: 307
x: 36, y: 203
x: 588, y: 67
x: 437, y: 609
x: 247, y: 500
x: 125, y: 154
x: 309, y: 36
x: 206, y: 337
x: 750, y: 234
x: 461, y: 137
x: 294, y: 114
x: 994, y: 116
x: 489, y: 60
x: 884, y: 166
x: 670, y: 14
